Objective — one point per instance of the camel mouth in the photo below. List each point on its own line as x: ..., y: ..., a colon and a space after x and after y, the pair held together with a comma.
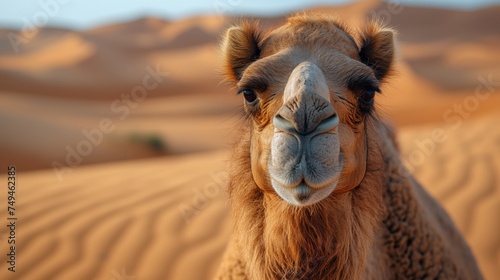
x: 303, y: 195
x: 303, y: 192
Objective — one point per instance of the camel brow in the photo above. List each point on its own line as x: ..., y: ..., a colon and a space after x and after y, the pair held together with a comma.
x: 258, y: 83
x: 357, y: 82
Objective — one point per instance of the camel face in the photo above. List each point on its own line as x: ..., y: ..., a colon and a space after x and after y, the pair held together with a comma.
x: 307, y: 88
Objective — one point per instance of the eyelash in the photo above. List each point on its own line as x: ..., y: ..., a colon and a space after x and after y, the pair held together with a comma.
x: 364, y: 106
x: 249, y: 95
x: 366, y: 99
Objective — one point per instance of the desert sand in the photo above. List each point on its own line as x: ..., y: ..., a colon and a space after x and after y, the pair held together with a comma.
x: 148, y: 199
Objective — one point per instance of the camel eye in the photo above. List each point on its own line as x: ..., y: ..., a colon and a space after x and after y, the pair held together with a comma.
x: 368, y: 95
x: 249, y: 95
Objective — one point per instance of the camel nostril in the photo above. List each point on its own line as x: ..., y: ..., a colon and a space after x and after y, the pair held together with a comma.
x: 325, y: 125
x: 328, y: 123
x: 283, y: 124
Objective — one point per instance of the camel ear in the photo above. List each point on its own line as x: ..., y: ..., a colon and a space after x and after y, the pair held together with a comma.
x: 377, y: 49
x: 240, y: 48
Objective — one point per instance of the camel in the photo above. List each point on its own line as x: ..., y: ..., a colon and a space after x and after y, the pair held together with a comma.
x: 316, y: 184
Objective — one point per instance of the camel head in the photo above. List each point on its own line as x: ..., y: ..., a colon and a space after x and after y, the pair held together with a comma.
x: 308, y: 88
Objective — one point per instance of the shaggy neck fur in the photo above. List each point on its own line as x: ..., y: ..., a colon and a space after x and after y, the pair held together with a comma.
x: 331, y: 239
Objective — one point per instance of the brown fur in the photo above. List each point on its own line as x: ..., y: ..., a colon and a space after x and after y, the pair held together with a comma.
x: 379, y: 224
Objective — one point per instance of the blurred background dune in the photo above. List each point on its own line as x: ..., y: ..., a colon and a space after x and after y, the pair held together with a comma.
x: 111, y: 185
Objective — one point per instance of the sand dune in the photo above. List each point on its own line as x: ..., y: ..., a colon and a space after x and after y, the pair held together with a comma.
x: 51, y: 56
x: 108, y: 217
x: 43, y: 130
x: 462, y: 173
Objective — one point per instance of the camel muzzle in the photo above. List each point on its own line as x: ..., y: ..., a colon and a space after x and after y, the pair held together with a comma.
x: 304, y: 163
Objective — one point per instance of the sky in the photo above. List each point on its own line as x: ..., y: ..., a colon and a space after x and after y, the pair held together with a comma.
x: 85, y: 14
